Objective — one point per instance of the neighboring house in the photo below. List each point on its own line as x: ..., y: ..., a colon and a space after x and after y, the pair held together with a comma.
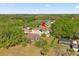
x: 65, y: 41
x: 70, y: 43
x: 75, y: 45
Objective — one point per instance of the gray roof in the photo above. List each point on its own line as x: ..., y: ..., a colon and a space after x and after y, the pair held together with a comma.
x: 33, y: 36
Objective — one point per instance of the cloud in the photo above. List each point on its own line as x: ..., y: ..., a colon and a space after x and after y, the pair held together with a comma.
x: 77, y: 6
x: 47, y: 5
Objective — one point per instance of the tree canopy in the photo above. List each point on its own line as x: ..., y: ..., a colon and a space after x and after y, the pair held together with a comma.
x: 66, y: 28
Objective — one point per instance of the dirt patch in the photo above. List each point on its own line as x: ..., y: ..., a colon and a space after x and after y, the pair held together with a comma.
x: 29, y: 50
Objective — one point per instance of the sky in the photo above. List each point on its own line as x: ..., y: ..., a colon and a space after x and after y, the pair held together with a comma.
x: 39, y: 8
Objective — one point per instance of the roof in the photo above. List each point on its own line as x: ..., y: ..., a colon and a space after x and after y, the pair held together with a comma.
x: 33, y: 36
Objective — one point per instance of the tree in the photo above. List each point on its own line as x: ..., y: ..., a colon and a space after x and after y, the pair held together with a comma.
x: 65, y: 28
x: 41, y: 43
x: 44, y: 51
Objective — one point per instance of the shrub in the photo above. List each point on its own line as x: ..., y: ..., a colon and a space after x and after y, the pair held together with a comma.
x: 41, y: 43
x: 43, y: 35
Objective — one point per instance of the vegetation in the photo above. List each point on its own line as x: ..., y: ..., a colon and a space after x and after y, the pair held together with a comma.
x: 71, y: 52
x: 41, y: 43
x: 44, y: 51
x: 67, y: 28
x: 43, y: 35
x: 11, y: 30
x: 54, y: 42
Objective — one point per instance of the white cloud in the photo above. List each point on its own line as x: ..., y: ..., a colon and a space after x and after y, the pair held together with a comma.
x: 77, y: 6
x: 47, y: 5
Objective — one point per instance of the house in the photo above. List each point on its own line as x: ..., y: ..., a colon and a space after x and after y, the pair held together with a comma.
x: 35, y: 33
